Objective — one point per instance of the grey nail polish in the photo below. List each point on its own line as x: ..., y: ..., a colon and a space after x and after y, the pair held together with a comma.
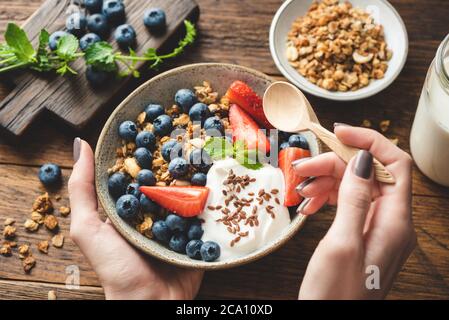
x: 338, y: 124
x: 363, y: 164
x: 304, y: 184
x: 302, y: 205
x: 76, y: 149
x: 299, y: 161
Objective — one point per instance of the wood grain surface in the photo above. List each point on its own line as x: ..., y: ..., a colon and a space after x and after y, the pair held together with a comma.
x: 237, y: 32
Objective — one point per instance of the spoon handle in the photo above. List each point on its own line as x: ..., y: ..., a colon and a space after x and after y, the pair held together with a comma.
x: 346, y: 153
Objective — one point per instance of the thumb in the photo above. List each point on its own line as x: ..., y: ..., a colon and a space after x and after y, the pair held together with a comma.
x: 354, y: 196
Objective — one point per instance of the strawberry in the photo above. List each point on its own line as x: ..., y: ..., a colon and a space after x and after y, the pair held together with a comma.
x: 244, y: 128
x: 292, y: 179
x: 186, y: 201
x: 241, y: 94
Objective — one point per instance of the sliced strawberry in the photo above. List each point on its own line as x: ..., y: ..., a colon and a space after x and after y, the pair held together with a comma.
x: 292, y: 179
x: 186, y: 201
x: 244, y: 128
x: 241, y: 94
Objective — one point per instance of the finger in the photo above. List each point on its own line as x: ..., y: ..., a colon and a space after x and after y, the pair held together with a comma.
x: 354, y: 199
x: 83, y: 199
x: 314, y: 187
x: 325, y: 164
x: 310, y: 206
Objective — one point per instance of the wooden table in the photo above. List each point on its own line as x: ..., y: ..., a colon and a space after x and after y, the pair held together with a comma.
x: 236, y: 31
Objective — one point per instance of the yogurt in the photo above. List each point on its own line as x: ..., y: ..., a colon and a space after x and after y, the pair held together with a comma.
x: 272, y: 216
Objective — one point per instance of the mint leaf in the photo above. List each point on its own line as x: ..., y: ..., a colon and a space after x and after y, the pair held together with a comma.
x: 246, y: 157
x: 44, y: 38
x: 101, y: 56
x: 67, y: 47
x: 218, y: 148
x: 43, y: 63
x: 18, y: 41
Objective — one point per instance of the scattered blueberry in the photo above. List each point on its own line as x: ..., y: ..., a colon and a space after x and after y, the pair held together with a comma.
x: 171, y: 149
x: 178, y: 243
x: 117, y: 184
x: 162, y: 125
x: 200, y: 160
x: 214, y: 123
x: 146, y: 177
x: 178, y: 167
x: 155, y: 20
x: 50, y: 174
x: 97, y: 23
x: 176, y: 223
x: 133, y: 189
x: 199, y: 112
x: 98, y: 78
x: 297, y: 140
x: 93, y: 6
x: 88, y: 40
x: 76, y: 24
x: 195, y: 232
x: 284, y: 145
x: 210, y: 251
x: 146, y: 139
x: 185, y: 99
x: 161, y: 231
x: 199, y: 179
x: 125, y: 35
x: 193, y: 249
x: 54, y: 39
x: 153, y: 111
x: 114, y: 11
x: 144, y: 158
x: 149, y: 206
x: 127, y: 207
x: 127, y: 131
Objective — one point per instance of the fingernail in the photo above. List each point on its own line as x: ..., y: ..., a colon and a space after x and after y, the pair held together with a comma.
x: 338, y: 124
x: 303, y: 204
x: 363, y: 164
x: 304, y: 184
x: 299, y: 161
x: 76, y: 149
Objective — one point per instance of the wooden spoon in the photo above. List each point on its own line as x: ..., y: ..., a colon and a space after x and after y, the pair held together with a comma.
x: 287, y: 109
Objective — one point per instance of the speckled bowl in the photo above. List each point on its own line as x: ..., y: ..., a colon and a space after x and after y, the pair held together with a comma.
x: 161, y: 89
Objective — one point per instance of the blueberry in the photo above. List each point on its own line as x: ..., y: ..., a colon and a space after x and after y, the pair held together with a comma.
x: 114, y: 11
x: 176, y: 223
x: 127, y: 131
x: 284, y: 145
x: 155, y: 20
x: 98, y: 78
x: 50, y: 174
x: 125, y: 35
x: 178, y: 167
x: 210, y: 251
x: 133, y: 189
x: 199, y: 112
x: 54, y: 39
x: 298, y: 141
x: 193, y: 249
x: 153, y: 111
x: 146, y: 177
x: 93, y: 6
x: 144, y: 158
x: 185, y: 99
x: 146, y: 139
x: 127, y: 207
x: 88, y: 40
x: 162, y: 125
x: 149, y: 206
x: 195, y: 232
x: 161, y: 231
x: 76, y: 24
x: 214, y: 124
x: 117, y: 184
x: 200, y: 160
x: 171, y: 149
x: 97, y: 23
x: 283, y: 136
x: 199, y: 179
x: 178, y: 243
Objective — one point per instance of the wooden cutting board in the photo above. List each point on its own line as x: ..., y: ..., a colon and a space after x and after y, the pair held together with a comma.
x: 70, y: 98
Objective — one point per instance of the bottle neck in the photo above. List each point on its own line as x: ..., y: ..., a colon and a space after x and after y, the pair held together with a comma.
x: 442, y: 64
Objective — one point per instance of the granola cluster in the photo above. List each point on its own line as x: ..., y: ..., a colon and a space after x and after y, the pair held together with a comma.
x: 338, y: 47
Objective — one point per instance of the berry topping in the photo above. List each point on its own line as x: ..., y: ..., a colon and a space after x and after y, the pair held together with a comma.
x: 127, y: 207
x: 50, y: 174
x: 210, y: 251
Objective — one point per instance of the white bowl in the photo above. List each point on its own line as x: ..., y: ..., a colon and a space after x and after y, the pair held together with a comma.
x: 383, y: 13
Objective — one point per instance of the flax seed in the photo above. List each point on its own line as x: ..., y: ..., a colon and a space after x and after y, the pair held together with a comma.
x: 261, y: 192
x: 274, y: 191
x: 251, y: 194
x: 225, y: 193
x: 218, y: 207
x: 277, y: 200
x: 211, y: 207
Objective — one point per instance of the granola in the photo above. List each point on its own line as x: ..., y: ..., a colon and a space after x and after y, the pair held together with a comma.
x: 31, y: 225
x: 43, y: 204
x: 9, y: 221
x: 28, y: 263
x: 9, y: 232
x: 24, y: 251
x: 42, y: 246
x: 51, y: 222
x: 58, y: 240
x: 64, y: 211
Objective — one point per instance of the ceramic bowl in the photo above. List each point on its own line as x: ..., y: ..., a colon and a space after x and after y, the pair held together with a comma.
x: 383, y: 13
x: 161, y: 89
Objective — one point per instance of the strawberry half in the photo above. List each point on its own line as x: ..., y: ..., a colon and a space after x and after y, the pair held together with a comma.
x: 292, y: 179
x: 242, y: 94
x: 244, y: 128
x: 186, y: 201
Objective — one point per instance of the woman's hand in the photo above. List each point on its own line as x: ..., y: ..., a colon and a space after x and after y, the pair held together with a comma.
x: 372, y: 230
x: 124, y: 272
